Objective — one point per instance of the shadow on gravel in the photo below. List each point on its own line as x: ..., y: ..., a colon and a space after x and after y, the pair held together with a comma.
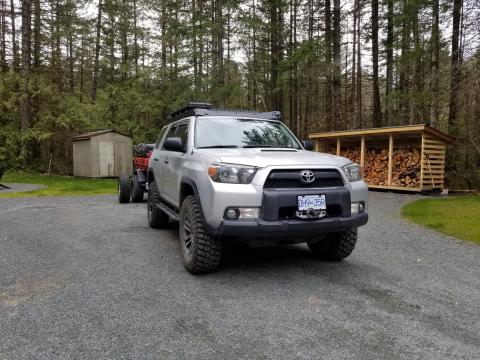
x: 282, y: 258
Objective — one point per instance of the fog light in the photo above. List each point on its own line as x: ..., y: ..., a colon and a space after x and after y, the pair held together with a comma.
x: 361, y: 207
x: 232, y: 214
x: 249, y: 213
x: 358, y: 207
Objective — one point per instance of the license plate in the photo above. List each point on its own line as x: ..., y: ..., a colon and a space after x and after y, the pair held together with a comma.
x: 312, y: 202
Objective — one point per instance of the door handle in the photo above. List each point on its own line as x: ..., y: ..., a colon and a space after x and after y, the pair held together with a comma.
x: 165, y: 161
x: 155, y: 159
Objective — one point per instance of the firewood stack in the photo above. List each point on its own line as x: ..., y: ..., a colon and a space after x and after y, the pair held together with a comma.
x: 405, y: 171
x: 406, y: 168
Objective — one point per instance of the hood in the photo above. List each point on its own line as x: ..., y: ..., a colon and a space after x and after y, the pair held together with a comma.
x: 276, y: 157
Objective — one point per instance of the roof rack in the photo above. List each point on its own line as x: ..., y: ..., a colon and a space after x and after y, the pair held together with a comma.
x: 206, y: 109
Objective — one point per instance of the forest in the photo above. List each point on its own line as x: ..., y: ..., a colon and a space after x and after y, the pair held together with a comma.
x: 69, y: 66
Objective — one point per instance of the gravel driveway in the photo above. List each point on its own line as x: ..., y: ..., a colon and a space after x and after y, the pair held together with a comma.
x: 86, y: 278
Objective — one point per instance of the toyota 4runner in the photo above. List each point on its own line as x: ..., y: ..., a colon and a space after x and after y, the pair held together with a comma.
x: 229, y: 175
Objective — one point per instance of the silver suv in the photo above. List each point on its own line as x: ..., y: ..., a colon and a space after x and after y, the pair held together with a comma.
x: 242, y: 175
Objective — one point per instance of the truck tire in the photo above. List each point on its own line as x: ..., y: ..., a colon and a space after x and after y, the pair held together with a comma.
x: 335, y: 246
x: 157, y: 219
x: 124, y: 189
x: 201, y: 252
x: 136, y: 190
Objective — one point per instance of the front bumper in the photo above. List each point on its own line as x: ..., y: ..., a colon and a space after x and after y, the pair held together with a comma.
x: 288, y: 228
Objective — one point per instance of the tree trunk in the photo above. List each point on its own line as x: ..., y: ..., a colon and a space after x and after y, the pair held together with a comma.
x: 354, y: 64
x: 82, y: 60
x: 14, y: 36
x: 135, y: 37
x: 359, y: 106
x: 377, y: 111
x: 328, y: 65
x: 389, y: 60
x: 37, y: 33
x: 337, y: 91
x: 455, y: 68
x: 405, y: 62
x: 220, y: 33
x: 274, y: 55
x: 435, y: 55
x: 3, y: 30
x: 97, y: 53
x: 416, y: 107
x: 26, y: 108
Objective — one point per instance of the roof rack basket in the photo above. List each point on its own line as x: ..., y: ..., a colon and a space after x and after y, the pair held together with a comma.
x: 206, y: 109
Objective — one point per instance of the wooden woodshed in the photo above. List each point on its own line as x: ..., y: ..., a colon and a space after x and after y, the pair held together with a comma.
x: 105, y: 153
x: 410, y: 158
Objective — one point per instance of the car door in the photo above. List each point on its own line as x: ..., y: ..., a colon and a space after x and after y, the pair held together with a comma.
x: 172, y: 165
x: 155, y: 164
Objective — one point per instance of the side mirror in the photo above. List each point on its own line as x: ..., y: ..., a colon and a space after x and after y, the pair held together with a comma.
x: 173, y: 144
x: 308, y: 145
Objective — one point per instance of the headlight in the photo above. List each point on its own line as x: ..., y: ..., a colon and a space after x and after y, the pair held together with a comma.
x: 232, y: 174
x: 353, y: 172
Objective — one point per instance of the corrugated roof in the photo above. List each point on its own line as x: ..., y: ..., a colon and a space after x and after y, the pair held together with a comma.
x: 91, y: 134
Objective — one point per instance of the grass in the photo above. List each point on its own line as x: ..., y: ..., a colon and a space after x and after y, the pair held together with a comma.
x: 59, y: 185
x: 457, y: 216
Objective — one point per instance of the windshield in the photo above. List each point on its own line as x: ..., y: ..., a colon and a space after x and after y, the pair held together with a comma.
x: 228, y: 132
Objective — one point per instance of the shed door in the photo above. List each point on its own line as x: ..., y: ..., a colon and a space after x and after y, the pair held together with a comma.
x: 120, y: 158
x: 106, y: 158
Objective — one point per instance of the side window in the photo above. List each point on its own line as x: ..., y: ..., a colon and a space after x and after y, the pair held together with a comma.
x: 171, y: 132
x: 182, y: 133
x: 159, y: 139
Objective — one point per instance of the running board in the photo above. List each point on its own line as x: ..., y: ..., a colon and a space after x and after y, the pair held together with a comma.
x: 167, y: 210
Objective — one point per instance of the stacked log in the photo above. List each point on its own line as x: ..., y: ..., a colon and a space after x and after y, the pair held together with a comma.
x: 405, y: 170
x: 376, y: 167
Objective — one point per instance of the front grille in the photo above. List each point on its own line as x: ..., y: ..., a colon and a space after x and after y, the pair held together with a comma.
x: 290, y: 179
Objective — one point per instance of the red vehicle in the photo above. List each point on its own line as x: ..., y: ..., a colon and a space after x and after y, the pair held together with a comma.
x: 133, y: 187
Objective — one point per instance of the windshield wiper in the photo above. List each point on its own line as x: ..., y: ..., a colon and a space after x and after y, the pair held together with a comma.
x: 218, y: 147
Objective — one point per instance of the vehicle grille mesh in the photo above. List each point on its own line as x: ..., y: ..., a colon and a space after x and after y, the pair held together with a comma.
x: 290, y: 179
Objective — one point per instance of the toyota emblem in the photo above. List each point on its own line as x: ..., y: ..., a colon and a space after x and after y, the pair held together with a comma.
x: 307, y: 176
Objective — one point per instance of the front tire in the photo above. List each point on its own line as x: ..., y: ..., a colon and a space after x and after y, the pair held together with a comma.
x: 335, y: 246
x: 201, y: 252
x: 123, y: 189
x: 136, y: 190
x: 157, y: 219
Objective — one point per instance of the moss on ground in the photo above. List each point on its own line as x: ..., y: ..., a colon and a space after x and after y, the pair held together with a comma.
x: 59, y: 185
x: 456, y: 216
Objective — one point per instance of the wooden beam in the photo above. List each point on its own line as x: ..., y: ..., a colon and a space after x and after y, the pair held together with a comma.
x: 422, y: 159
x: 377, y: 131
x: 339, y: 144
x: 400, y: 188
x: 422, y: 128
x: 362, y: 152
x: 390, y: 159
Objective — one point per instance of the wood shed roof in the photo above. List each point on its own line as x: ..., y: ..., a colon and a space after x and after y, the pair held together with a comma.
x: 89, y: 135
x: 385, y: 131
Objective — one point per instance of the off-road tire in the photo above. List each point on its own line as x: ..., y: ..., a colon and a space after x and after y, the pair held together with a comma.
x: 136, y: 190
x: 124, y: 189
x: 205, y: 251
x: 157, y: 219
x: 335, y: 246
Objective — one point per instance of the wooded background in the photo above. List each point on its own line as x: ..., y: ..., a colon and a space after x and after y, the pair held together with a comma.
x: 71, y: 66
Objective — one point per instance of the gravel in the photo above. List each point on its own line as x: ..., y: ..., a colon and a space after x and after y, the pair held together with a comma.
x: 85, y: 277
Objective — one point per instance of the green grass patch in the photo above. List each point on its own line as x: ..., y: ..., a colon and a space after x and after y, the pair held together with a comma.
x: 458, y: 216
x: 59, y: 185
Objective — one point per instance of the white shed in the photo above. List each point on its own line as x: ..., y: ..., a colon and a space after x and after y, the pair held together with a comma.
x: 105, y: 153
